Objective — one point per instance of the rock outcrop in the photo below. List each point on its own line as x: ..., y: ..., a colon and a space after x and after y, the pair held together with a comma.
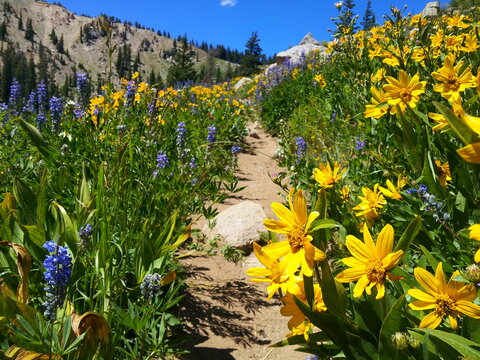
x: 294, y: 54
x: 431, y: 9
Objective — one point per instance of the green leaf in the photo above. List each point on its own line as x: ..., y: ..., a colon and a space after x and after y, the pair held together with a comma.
x: 391, y: 324
x: 461, y: 130
x: 409, y: 234
x: 465, y: 347
x: 26, y: 199
x: 300, y: 339
x: 67, y: 230
x: 38, y: 140
x: 333, y: 292
x: 428, y: 255
x: 323, y: 224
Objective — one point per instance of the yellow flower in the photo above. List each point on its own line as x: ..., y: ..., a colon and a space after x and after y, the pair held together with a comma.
x: 379, y: 75
x: 280, y: 274
x: 319, y: 78
x: 453, y: 80
x: 404, y: 91
x: 294, y: 223
x: 371, y: 202
x: 391, y: 192
x: 470, y: 43
x: 456, y: 21
x: 290, y: 308
x: 305, y: 329
x: 344, y: 193
x: 475, y: 235
x: 379, y: 105
x: 450, y: 299
x: 135, y: 75
x: 443, y: 173
x: 470, y: 153
x: 439, y: 119
x: 370, y: 262
x: 473, y: 122
x: 326, y: 177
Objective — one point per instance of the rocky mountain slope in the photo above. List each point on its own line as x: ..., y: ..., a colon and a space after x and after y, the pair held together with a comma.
x: 84, y: 40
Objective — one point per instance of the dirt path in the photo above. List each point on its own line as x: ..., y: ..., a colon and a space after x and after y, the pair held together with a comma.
x: 227, y: 316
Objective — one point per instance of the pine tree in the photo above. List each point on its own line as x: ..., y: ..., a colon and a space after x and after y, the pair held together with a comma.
x: 54, y: 38
x: 346, y: 19
x: 20, y: 22
x: 369, y: 20
x: 251, y: 62
x: 60, y: 46
x: 29, y: 32
x: 3, y: 31
x: 182, y: 68
x: 31, y: 79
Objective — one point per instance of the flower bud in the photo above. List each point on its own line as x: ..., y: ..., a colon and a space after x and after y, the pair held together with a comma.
x: 400, y: 340
x: 472, y: 273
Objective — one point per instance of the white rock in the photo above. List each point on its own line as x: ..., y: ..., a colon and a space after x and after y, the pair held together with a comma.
x: 242, y: 82
x: 431, y: 9
x: 295, y: 53
x: 240, y: 225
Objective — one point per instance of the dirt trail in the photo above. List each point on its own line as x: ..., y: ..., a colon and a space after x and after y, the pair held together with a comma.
x: 227, y: 316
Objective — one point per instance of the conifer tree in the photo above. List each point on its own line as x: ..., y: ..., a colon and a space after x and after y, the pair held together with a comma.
x: 369, y: 20
x: 251, y: 62
x: 182, y: 68
x: 3, y: 31
x: 29, y: 32
x: 20, y: 22
x: 346, y: 19
x: 54, y: 38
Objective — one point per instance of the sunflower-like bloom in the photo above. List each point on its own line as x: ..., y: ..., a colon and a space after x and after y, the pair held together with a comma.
x: 370, y: 262
x: 290, y: 308
x: 379, y: 106
x: 326, y: 177
x: 453, y: 80
x: 294, y: 224
x: 473, y: 122
x: 444, y: 174
x: 447, y: 299
x: 344, y: 194
x: 280, y: 274
x: 371, y: 202
x: 475, y: 235
x: 405, y: 91
x: 392, y: 191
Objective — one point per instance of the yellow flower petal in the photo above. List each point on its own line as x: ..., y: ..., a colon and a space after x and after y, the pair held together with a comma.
x: 277, y: 226
x: 358, y: 249
x: 468, y: 308
x: 350, y: 275
x: 421, y: 295
x: 353, y: 262
x: 360, y: 286
x: 426, y: 280
x: 258, y: 271
x: 284, y: 214
x: 392, y: 259
x: 422, y: 305
x: 380, y: 290
x: 278, y: 249
x: 470, y: 153
x: 385, y: 241
x: 431, y: 321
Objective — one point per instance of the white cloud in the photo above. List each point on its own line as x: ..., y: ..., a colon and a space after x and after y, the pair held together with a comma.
x: 229, y: 3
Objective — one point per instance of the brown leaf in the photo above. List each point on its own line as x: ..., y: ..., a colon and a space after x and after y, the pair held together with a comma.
x: 98, y: 330
x: 17, y: 353
x: 24, y: 264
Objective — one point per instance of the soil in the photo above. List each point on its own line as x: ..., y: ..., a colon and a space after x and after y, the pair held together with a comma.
x: 226, y: 315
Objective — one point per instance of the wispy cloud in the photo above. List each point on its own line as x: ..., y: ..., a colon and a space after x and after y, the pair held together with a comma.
x: 229, y: 3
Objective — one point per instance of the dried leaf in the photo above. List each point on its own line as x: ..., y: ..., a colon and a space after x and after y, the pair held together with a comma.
x: 98, y: 331
x: 24, y: 264
x: 17, y: 353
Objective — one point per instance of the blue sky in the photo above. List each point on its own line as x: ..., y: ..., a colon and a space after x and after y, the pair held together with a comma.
x: 280, y: 24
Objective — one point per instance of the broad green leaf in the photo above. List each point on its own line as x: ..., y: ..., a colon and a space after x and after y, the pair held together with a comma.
x: 461, y: 130
x: 409, y: 234
x: 391, y: 324
x: 323, y: 224
x: 300, y: 339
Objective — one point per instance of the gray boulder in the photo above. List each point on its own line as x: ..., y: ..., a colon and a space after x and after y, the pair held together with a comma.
x: 295, y: 53
x: 431, y: 9
x: 240, y: 225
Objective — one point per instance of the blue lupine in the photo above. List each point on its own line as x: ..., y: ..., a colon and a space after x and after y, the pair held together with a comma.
x: 359, y: 144
x: 56, y: 108
x: 30, y: 105
x: 193, y: 163
x: 41, y: 118
x: 58, y: 270
x: 82, y: 81
x: 212, y: 134
x: 236, y: 149
x: 15, y: 94
x: 131, y: 90
x: 41, y: 95
x: 430, y: 203
x: 151, y: 285
x: 301, y: 147
x: 84, y: 233
x: 181, y: 134
x: 162, y: 160
x: 78, y: 112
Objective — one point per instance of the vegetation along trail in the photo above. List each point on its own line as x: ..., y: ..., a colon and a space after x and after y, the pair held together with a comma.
x: 226, y: 315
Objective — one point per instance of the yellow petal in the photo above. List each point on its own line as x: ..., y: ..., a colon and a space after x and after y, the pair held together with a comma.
x: 453, y: 322
x: 258, y: 271
x: 300, y: 208
x: 311, y: 219
x: 468, y: 308
x: 385, y: 241
x: 422, y: 305
x: 261, y: 256
x: 426, y: 280
x: 440, y: 277
x: 470, y: 153
x: 319, y: 255
x: 477, y: 256
x: 380, y: 290
x: 350, y: 275
x: 367, y: 238
x: 358, y: 249
x: 391, y: 260
x: 360, y: 286
x: 278, y: 249
x: 277, y: 226
x: 431, y: 321
x: 353, y: 262
x: 284, y: 214
x: 421, y: 295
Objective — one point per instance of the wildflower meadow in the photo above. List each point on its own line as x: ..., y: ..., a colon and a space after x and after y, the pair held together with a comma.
x: 373, y: 254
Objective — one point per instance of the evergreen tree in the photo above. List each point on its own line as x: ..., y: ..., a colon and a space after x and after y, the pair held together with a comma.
x: 29, y: 32
x: 464, y: 4
x: 20, y: 22
x: 346, y: 19
x: 182, y: 68
x: 42, y: 63
x: 31, y: 78
x: 251, y: 62
x: 369, y: 20
x: 54, y: 38
x: 137, y: 63
x: 60, y: 46
x: 3, y: 31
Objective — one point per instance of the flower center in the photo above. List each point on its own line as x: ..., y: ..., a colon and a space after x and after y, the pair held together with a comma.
x: 296, y: 238
x: 453, y: 83
x: 444, y: 305
x: 406, y: 95
x: 375, y: 271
